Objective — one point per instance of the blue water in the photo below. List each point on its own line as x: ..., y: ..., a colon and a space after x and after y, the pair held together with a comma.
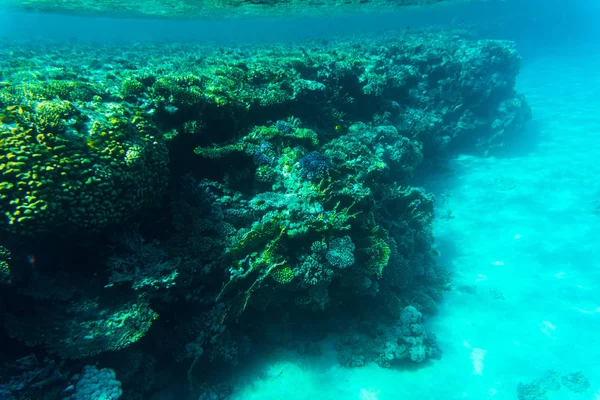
x: 519, y: 229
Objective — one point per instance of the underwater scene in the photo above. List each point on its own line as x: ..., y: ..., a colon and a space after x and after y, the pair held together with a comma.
x: 299, y: 200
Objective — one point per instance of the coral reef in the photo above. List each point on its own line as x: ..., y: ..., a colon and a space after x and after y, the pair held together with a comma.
x: 291, y: 173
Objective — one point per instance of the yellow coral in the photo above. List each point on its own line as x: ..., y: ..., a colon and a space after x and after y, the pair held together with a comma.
x: 283, y: 275
x: 377, y: 255
x: 55, y: 172
x: 4, y: 266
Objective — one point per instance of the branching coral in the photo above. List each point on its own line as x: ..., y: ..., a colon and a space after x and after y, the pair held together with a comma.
x: 248, y: 275
x: 144, y: 265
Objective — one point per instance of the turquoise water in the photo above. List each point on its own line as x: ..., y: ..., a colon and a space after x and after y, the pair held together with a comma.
x: 538, y: 247
x: 518, y: 229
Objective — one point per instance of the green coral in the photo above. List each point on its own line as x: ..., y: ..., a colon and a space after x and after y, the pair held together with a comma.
x: 376, y: 255
x: 4, y: 264
x: 265, y: 174
x: 292, y: 135
x: 249, y: 144
x: 131, y: 88
x: 248, y: 274
x: 283, y: 275
x: 180, y: 91
x: 62, y: 168
x: 84, y: 328
x: 257, y: 237
x: 219, y: 152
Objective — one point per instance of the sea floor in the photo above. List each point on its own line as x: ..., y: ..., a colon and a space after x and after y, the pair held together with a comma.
x: 523, y: 239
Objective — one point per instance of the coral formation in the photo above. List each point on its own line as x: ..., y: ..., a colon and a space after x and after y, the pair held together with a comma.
x: 4, y: 264
x: 291, y: 172
x: 84, y: 328
x: 76, y: 165
x: 341, y: 252
x: 405, y: 340
x: 552, y: 381
x: 97, y: 384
